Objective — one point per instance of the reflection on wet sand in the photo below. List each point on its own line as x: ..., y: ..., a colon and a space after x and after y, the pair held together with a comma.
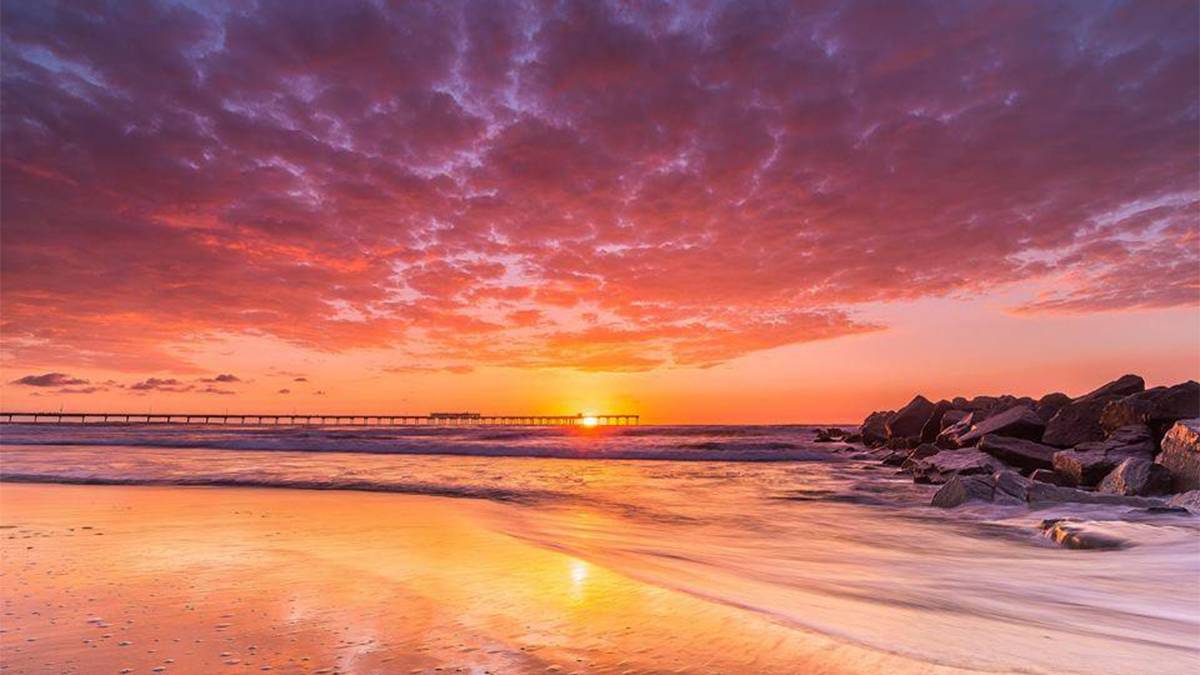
x: 197, y: 579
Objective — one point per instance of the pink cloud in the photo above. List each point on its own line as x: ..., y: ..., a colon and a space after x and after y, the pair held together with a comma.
x: 594, y: 185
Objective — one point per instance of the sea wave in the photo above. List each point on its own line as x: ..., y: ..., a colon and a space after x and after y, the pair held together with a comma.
x: 697, y: 444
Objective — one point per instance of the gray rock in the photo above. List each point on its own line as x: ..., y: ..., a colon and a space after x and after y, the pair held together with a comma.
x: 1137, y: 476
x: 948, y: 463
x: 1048, y: 405
x: 874, y: 428
x: 1011, y: 487
x: 1189, y: 500
x: 908, y: 421
x: 1088, y: 463
x: 1181, y: 455
x: 962, y: 489
x: 1044, y: 494
x: 1079, y: 421
x: 1159, y: 408
x: 1018, y: 452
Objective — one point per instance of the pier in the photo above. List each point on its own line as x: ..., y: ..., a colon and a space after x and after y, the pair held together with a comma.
x: 432, y: 419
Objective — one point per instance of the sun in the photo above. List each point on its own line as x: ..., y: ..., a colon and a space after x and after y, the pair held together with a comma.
x: 590, y: 421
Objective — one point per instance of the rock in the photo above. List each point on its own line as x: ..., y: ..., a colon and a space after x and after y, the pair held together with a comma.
x: 1018, y: 452
x: 962, y: 489
x: 1137, y: 476
x: 920, y: 452
x: 896, y: 457
x: 1070, y: 534
x: 1181, y: 455
x: 1189, y: 500
x: 830, y: 435
x: 949, y: 436
x: 1048, y: 405
x: 853, y: 438
x: 1019, y: 422
x: 1010, y: 486
x: 1046, y: 476
x: 1122, y: 386
x: 1044, y: 494
x: 952, y: 417
x: 1088, y: 463
x: 874, y: 428
x: 908, y: 421
x: 1079, y: 421
x: 1159, y: 408
x: 933, y: 426
x: 948, y: 463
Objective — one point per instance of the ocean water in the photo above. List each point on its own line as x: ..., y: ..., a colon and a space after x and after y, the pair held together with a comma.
x: 816, y: 536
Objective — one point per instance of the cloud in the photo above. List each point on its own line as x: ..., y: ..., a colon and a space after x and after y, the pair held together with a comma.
x: 284, y: 391
x: 161, y: 384
x: 595, y: 185
x: 214, y: 390
x: 300, y: 379
x: 224, y: 378
x: 49, y: 380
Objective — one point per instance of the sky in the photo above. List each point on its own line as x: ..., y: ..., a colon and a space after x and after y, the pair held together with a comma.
x: 695, y: 211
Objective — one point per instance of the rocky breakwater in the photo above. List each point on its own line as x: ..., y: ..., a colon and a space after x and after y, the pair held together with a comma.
x: 1120, y: 444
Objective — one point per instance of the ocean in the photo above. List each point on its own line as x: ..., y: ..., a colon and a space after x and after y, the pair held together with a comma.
x: 814, y: 535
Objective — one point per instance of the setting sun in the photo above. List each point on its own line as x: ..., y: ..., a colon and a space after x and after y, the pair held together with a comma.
x: 590, y: 421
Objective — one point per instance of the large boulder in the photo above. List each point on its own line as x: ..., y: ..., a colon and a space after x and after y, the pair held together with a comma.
x: 1011, y: 487
x: 1049, y: 405
x: 1019, y: 422
x: 908, y: 421
x: 962, y: 489
x: 1079, y: 421
x: 1137, y: 476
x: 946, y: 464
x: 933, y: 426
x: 1088, y: 463
x: 1157, y: 408
x: 1046, y: 476
x: 1181, y: 455
x: 874, y: 428
x: 1018, y: 452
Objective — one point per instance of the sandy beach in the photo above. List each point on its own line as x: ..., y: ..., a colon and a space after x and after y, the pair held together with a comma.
x: 176, y: 579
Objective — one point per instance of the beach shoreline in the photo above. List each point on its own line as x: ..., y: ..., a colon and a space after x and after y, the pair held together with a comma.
x: 190, y: 579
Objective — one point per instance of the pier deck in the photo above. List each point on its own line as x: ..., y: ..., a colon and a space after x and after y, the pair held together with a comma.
x: 433, y: 419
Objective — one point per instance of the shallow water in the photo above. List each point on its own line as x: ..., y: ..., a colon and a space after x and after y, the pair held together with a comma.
x: 761, y: 518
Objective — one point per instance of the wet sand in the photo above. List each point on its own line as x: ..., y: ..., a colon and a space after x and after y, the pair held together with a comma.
x: 176, y: 579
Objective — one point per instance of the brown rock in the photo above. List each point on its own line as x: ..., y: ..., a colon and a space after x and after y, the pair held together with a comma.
x: 1181, y: 455
x: 1046, y: 476
x: 948, y: 463
x: 908, y: 421
x: 1018, y: 422
x: 1079, y: 421
x: 874, y: 428
x: 933, y: 426
x: 962, y: 489
x: 1048, y: 405
x: 1088, y: 463
x: 1018, y: 452
x: 1137, y: 476
x: 1158, y: 408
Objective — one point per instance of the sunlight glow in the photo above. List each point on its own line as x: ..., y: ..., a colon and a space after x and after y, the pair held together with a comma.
x: 590, y: 421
